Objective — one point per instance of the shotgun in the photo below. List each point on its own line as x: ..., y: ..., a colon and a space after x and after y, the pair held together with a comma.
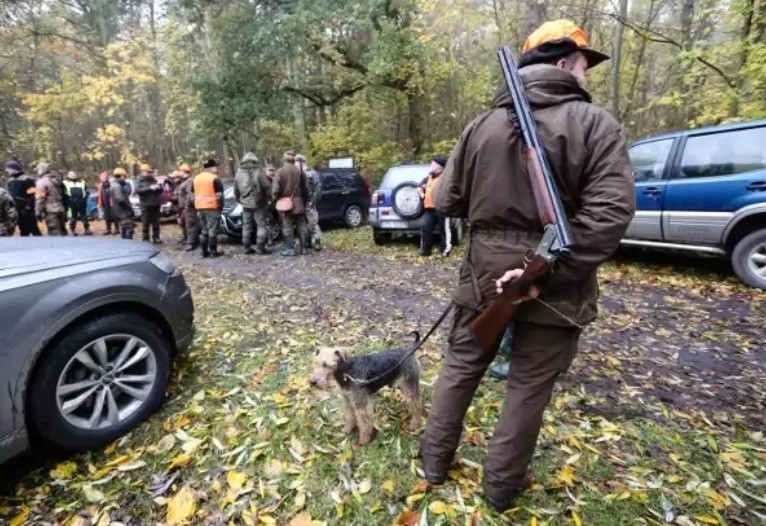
x: 489, y: 325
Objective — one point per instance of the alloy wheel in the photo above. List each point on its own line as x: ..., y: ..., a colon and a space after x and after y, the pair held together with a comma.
x: 354, y: 216
x: 106, y: 381
x: 757, y: 260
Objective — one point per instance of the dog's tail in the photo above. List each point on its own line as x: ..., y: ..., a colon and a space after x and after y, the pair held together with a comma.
x: 415, y: 339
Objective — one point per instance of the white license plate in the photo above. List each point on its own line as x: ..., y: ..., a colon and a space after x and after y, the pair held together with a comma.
x: 394, y: 224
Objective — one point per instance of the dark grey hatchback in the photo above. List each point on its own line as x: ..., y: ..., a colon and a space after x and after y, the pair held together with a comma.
x: 88, y: 331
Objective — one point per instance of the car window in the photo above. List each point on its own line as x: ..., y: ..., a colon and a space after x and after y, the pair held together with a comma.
x: 404, y: 174
x: 725, y: 153
x: 353, y: 180
x: 648, y: 159
x: 331, y: 181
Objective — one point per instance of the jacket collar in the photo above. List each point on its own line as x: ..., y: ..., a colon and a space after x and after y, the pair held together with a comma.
x: 545, y: 86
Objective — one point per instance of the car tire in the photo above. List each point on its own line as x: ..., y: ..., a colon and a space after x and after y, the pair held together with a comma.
x: 53, y: 386
x: 353, y: 217
x: 380, y: 238
x: 406, y: 201
x: 749, y: 259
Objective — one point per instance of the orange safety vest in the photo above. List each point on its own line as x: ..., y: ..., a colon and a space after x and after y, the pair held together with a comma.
x: 204, y: 191
x: 428, y: 200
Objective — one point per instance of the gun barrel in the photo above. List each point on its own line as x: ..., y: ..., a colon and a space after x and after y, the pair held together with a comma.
x: 531, y: 140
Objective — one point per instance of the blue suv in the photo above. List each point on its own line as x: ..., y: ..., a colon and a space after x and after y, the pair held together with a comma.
x: 396, y: 207
x: 704, y: 190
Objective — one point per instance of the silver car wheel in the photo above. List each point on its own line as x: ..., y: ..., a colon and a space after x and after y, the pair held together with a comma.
x: 106, y: 381
x: 354, y: 216
x: 757, y: 260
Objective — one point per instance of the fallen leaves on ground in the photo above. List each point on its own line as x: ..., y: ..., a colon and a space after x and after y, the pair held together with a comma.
x: 661, y: 417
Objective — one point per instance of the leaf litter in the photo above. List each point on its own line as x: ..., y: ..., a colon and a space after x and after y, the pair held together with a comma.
x: 661, y: 418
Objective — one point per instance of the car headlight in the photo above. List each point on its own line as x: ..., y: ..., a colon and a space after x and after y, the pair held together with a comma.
x: 163, y: 262
x: 236, y: 212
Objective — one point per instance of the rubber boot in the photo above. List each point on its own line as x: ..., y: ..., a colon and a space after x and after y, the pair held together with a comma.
x: 214, y: 248
x: 247, y: 241
x: 261, y: 249
x: 205, y: 247
x: 289, y: 248
x: 306, y: 245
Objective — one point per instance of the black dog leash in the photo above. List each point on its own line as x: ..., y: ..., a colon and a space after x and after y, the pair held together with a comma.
x: 417, y: 344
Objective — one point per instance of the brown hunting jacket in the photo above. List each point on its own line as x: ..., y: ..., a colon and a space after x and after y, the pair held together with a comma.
x: 486, y: 181
x: 291, y: 182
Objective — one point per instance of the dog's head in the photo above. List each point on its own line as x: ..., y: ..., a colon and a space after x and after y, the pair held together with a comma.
x: 326, y: 362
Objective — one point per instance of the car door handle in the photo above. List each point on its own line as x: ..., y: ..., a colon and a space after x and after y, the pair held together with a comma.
x: 758, y: 186
x: 652, y: 191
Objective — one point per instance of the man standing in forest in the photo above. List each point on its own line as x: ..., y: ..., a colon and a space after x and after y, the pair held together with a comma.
x: 314, y: 185
x: 9, y: 215
x: 486, y: 181
x: 149, y: 191
x: 50, y: 200
x: 208, y: 201
x: 187, y: 215
x: 252, y: 190
x: 22, y: 188
x: 432, y: 219
x: 104, y: 194
x: 290, y: 195
x: 121, y: 208
x: 77, y: 202
x: 273, y: 227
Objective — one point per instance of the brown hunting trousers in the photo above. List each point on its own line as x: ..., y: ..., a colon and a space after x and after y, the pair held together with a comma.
x: 540, y: 353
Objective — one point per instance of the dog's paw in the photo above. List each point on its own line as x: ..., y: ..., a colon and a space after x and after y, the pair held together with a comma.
x: 414, y: 424
x: 348, y: 429
x: 366, y: 438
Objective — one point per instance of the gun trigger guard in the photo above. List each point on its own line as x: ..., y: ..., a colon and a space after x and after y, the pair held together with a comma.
x: 528, y: 257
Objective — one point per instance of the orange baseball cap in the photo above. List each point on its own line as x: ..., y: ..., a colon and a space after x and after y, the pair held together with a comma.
x: 557, y: 39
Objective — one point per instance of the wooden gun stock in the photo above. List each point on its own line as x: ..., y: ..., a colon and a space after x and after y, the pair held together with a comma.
x: 489, y: 325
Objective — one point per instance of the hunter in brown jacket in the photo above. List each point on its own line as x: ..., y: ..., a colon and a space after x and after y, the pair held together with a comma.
x: 486, y: 181
x: 290, y: 182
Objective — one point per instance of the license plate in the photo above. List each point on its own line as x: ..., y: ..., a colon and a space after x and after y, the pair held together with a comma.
x: 394, y: 224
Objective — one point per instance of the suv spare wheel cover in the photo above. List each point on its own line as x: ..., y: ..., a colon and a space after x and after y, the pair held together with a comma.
x: 406, y: 201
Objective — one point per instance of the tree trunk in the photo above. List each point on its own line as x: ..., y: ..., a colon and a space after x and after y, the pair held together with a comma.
x: 415, y: 103
x: 534, y: 15
x: 616, y: 58
x: 744, y: 42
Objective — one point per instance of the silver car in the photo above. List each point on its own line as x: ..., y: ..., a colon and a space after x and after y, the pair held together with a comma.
x: 88, y: 331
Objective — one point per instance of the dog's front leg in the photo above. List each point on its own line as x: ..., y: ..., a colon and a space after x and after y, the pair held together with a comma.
x: 363, y: 411
x: 349, y: 418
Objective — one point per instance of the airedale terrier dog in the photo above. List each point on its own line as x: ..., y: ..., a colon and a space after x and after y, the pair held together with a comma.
x: 359, y: 377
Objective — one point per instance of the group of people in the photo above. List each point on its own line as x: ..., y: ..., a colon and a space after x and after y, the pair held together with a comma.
x: 275, y: 204
x: 287, y: 196
x: 26, y: 200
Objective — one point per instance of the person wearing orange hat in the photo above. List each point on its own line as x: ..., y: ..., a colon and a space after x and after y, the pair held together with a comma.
x: 122, y: 210
x: 104, y: 200
x: 187, y: 215
x: 149, y: 191
x: 486, y: 181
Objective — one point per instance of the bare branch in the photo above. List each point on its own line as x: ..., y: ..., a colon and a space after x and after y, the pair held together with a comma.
x: 322, y: 101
